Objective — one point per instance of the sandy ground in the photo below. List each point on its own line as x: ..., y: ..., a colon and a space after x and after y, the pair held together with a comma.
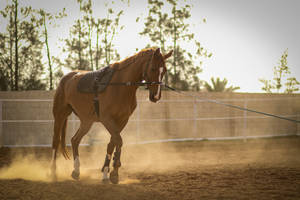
x: 255, y: 169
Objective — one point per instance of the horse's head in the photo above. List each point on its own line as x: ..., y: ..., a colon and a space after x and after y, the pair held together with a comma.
x: 155, y: 72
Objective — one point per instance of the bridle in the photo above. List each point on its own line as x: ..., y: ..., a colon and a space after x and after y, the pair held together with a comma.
x: 145, y: 76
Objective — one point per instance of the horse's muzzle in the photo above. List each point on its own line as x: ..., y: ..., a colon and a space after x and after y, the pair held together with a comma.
x: 152, y: 98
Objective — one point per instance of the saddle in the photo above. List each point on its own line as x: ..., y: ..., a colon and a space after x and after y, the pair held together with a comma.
x: 95, y: 81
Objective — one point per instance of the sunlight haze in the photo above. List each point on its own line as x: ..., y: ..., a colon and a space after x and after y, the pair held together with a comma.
x: 247, y: 38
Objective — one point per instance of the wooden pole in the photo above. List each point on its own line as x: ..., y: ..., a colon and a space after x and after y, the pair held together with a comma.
x: 1, y: 128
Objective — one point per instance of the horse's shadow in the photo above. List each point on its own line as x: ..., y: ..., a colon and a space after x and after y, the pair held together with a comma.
x: 86, y: 188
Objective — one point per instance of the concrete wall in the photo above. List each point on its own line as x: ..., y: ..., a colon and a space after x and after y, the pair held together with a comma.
x: 26, y: 117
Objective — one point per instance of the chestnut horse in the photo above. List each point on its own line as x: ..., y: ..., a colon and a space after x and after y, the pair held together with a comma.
x: 116, y: 104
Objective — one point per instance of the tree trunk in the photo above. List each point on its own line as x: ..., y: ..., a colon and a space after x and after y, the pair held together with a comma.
x: 11, y: 24
x: 48, y: 54
x: 109, y: 45
x: 16, y: 47
x: 79, y: 46
x: 162, y: 44
x: 174, y: 44
x: 98, y: 50
x: 90, y: 45
x: 106, y: 42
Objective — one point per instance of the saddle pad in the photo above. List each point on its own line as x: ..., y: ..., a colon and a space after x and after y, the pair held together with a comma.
x: 95, y: 81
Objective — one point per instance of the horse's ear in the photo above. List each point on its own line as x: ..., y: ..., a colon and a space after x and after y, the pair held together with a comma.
x: 157, y: 51
x: 168, y: 55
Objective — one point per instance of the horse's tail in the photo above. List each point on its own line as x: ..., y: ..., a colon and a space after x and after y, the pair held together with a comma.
x: 63, y: 148
x: 61, y: 110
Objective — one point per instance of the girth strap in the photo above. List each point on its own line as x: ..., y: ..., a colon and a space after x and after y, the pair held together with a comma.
x: 96, y: 100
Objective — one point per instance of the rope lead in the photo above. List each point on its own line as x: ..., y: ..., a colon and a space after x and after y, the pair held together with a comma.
x: 232, y: 106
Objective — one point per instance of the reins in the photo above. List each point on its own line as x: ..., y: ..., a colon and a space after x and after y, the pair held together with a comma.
x: 129, y: 83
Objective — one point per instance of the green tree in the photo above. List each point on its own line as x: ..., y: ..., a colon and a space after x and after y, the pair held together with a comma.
x: 268, y: 86
x: 46, y: 19
x: 30, y: 56
x: 107, y: 30
x: 21, y: 49
x: 82, y: 54
x: 219, y: 85
x: 76, y: 45
x: 291, y: 85
x: 98, y: 51
x: 89, y: 23
x: 111, y: 27
x: 280, y: 72
x: 160, y: 26
x: 6, y: 52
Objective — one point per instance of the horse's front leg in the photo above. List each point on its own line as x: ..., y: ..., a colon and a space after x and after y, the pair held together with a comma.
x: 114, y: 128
x: 114, y: 175
x: 105, y: 169
x: 115, y: 142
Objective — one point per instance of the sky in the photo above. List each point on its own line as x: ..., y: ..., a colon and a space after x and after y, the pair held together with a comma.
x: 247, y: 38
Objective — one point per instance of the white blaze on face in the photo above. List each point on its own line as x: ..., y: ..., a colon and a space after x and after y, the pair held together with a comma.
x: 161, y: 69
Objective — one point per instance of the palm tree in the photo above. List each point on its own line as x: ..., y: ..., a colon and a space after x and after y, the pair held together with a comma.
x: 219, y: 86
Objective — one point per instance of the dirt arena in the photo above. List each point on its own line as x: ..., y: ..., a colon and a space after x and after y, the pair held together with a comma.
x: 252, y: 169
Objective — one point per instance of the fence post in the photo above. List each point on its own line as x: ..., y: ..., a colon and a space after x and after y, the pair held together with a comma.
x: 298, y: 125
x: 195, y: 117
x: 137, y: 124
x: 1, y: 128
x: 245, y: 120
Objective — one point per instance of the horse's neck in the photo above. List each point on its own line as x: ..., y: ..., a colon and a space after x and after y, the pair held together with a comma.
x: 134, y: 72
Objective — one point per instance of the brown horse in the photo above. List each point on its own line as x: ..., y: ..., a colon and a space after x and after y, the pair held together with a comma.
x: 116, y: 104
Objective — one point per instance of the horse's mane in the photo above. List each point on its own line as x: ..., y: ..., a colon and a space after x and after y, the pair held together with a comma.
x: 125, y: 62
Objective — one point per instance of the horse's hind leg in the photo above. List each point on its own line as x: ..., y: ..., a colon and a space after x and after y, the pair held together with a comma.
x: 83, y: 129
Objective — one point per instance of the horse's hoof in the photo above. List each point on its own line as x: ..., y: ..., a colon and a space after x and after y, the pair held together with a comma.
x: 105, y: 181
x: 75, y: 175
x: 114, y: 177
